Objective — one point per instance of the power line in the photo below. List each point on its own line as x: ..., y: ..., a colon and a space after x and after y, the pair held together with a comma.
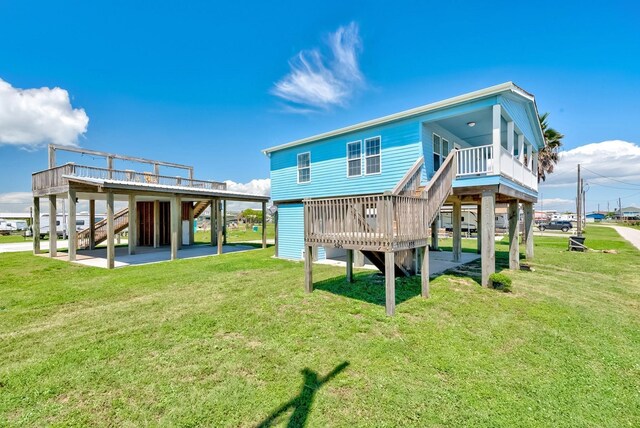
x: 611, y: 178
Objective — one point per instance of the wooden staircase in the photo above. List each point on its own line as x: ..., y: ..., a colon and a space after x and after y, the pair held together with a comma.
x: 436, y: 192
x: 120, y: 223
x: 199, y: 208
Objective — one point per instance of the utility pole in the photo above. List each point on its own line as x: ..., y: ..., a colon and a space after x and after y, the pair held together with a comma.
x: 619, y: 209
x: 584, y: 201
x: 578, y: 203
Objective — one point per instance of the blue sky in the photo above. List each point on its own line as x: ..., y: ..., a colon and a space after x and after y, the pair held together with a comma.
x: 196, y: 83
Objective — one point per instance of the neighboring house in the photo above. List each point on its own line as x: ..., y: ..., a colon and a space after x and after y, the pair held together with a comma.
x: 628, y: 213
x: 497, y: 134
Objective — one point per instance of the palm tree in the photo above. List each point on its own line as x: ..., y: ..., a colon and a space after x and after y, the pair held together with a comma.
x: 548, y: 155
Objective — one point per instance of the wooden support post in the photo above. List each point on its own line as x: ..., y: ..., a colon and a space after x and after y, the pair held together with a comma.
x: 514, y: 247
x: 528, y: 229
x: 435, y: 226
x: 156, y: 224
x: 71, y: 225
x: 349, y: 265
x: 390, y: 283
x: 424, y: 272
x: 179, y: 221
x: 264, y: 225
x: 52, y: 156
x: 457, y: 230
x: 133, y: 225
x: 220, y: 228
x: 111, y: 248
x: 308, y: 269
x: 191, y: 220
x: 175, y: 233
x: 488, y: 236
x: 92, y: 224
x: 479, y: 230
x: 53, y: 227
x: 35, y: 229
x: 213, y: 222
x: 110, y: 167
x: 358, y: 258
x: 224, y: 221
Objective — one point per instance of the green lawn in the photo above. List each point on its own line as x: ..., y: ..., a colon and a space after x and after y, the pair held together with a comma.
x: 233, y: 341
x: 7, y: 239
x: 241, y: 234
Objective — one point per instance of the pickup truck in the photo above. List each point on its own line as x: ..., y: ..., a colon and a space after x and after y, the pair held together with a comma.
x: 562, y: 225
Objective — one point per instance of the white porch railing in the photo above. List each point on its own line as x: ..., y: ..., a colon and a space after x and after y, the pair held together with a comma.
x: 477, y: 161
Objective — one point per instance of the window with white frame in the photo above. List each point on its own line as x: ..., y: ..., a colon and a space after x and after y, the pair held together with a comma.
x: 441, y: 149
x: 304, y: 167
x: 354, y: 159
x: 372, y: 155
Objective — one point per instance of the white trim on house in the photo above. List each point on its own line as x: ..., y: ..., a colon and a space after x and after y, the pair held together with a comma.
x: 304, y: 167
x: 493, y: 90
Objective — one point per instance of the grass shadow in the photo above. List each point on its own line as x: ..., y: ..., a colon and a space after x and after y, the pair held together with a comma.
x: 370, y: 287
x: 300, y: 405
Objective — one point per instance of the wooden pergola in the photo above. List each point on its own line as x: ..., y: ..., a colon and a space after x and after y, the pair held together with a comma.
x: 159, y: 203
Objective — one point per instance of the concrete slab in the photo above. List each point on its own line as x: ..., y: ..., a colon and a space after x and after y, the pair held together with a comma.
x: 147, y: 255
x: 439, y: 261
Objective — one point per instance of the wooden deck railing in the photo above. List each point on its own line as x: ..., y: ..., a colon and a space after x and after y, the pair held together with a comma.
x: 51, y: 178
x: 382, y: 222
x: 55, y: 177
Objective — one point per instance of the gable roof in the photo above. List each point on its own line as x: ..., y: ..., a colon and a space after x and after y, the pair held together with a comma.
x: 482, y: 93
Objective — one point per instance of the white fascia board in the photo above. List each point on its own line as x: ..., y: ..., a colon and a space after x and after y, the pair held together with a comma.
x: 482, y: 93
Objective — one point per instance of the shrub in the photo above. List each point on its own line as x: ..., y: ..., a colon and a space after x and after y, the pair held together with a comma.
x: 500, y: 281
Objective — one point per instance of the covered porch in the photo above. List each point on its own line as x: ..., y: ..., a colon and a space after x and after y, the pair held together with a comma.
x: 160, y: 210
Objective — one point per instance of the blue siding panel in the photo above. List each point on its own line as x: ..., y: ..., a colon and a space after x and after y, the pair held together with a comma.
x: 400, y: 147
x: 518, y: 112
x: 291, y: 233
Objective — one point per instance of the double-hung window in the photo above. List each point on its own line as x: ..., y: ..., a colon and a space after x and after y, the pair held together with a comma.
x: 304, y: 167
x: 372, y: 156
x: 354, y: 159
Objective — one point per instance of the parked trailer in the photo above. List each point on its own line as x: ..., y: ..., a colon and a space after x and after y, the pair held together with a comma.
x: 82, y: 222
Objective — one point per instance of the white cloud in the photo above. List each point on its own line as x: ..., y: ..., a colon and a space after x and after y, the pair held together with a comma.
x: 15, y: 202
x: 611, y: 170
x: 317, y: 82
x: 33, y: 117
x: 258, y: 186
x: 616, y: 159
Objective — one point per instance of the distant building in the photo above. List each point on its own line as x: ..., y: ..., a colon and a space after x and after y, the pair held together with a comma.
x: 628, y: 213
x: 595, y: 217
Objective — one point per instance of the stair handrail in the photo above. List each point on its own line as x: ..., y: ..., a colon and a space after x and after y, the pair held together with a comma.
x: 441, y: 185
x: 409, y: 178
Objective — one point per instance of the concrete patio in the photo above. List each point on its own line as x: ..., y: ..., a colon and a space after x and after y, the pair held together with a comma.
x: 146, y: 255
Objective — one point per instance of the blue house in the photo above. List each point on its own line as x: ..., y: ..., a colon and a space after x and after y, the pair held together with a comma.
x: 376, y: 187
